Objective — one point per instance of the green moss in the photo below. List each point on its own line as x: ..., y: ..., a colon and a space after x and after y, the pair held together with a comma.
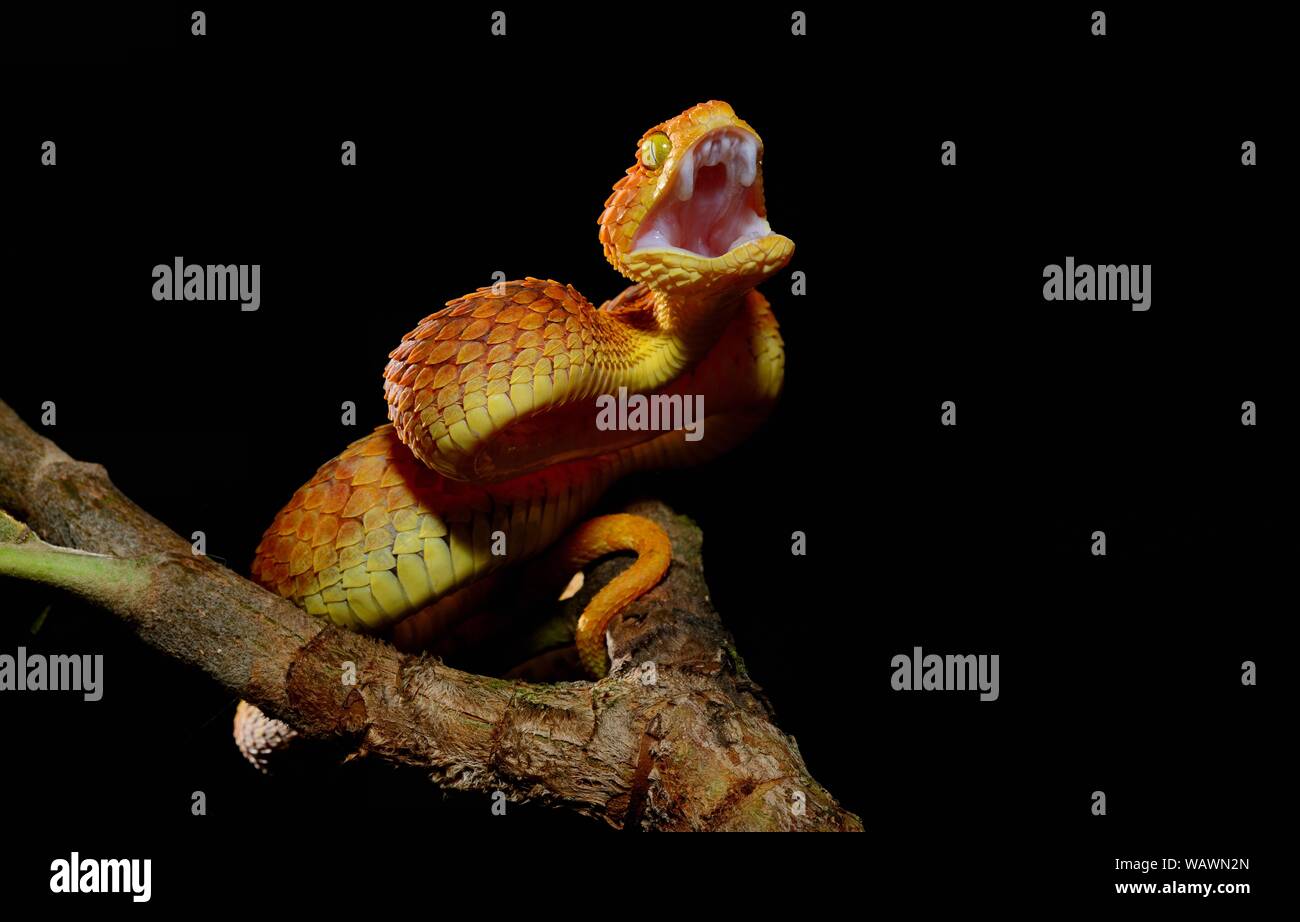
x: 539, y: 693
x: 737, y: 661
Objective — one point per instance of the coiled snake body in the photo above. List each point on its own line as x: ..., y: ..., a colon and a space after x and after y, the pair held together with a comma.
x: 492, y: 403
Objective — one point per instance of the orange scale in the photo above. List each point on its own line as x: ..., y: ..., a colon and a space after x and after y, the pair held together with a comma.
x: 324, y: 557
x: 501, y: 333
x: 284, y: 546
x: 395, y: 473
x: 376, y: 444
x: 337, y: 494
x: 448, y: 396
x: 354, y: 450
x: 327, y: 527
x: 472, y: 370
x: 350, y: 533
x: 451, y: 329
x: 426, y: 376
x: 307, y: 527
x: 446, y: 374
x: 369, y: 470
x: 418, y: 354
x: 362, y: 499
x: 441, y: 353
x: 300, y: 559
x: 346, y: 468
x: 374, y: 518
x: 399, y: 497
x: 315, y: 496
x: 287, y: 522
x: 305, y: 584
x: 469, y: 352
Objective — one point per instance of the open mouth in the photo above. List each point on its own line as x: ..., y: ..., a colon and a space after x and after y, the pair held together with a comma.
x: 711, y: 206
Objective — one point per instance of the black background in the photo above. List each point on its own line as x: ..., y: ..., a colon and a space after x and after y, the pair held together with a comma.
x: 924, y: 284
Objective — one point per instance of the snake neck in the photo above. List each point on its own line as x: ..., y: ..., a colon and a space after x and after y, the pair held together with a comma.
x: 698, y: 319
x: 667, y: 332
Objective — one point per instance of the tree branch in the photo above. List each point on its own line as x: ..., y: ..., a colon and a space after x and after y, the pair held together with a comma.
x: 685, y: 744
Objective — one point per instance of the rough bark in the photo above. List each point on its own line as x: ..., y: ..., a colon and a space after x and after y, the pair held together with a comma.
x: 686, y: 743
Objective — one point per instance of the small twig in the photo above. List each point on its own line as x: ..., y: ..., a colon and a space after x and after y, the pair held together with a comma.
x: 96, y: 577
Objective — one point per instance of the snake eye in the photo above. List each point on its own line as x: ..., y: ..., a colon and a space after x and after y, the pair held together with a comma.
x: 655, y: 150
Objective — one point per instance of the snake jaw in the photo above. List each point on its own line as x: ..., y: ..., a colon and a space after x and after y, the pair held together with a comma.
x: 698, y: 220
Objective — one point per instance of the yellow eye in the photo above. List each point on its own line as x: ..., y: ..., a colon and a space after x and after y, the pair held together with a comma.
x: 655, y: 150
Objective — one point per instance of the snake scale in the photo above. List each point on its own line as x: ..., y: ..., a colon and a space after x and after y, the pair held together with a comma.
x: 492, y: 403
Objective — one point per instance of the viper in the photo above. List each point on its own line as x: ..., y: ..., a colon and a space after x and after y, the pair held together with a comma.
x: 493, y: 454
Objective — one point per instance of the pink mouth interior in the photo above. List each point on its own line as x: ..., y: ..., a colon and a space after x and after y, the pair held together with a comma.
x: 721, y: 212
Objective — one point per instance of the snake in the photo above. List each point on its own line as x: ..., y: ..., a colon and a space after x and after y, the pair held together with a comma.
x: 493, y: 454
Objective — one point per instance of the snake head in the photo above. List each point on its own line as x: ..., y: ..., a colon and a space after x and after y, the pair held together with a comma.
x: 689, y: 215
